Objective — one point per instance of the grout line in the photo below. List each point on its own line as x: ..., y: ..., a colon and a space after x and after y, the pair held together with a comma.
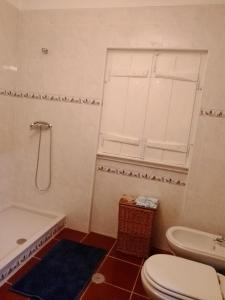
x: 118, y: 287
x: 108, y: 283
x: 36, y: 257
x: 83, y: 292
x: 83, y: 238
x: 112, y: 247
x: 123, y: 260
x: 145, y: 297
x: 135, y: 282
x: 107, y: 255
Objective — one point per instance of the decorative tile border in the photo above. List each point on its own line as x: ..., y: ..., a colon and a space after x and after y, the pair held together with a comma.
x: 216, y: 113
x: 27, y: 253
x: 48, y: 97
x: 136, y: 174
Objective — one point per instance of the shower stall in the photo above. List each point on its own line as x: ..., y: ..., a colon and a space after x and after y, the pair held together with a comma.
x: 23, y: 231
x: 46, y: 167
x: 29, y: 214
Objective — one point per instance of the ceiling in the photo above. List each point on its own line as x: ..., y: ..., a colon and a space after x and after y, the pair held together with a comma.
x: 67, y: 4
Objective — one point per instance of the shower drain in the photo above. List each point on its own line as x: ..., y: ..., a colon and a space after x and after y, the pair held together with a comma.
x: 21, y: 241
x: 98, y: 278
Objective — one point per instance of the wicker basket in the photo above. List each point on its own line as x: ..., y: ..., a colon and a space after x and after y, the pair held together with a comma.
x: 134, y: 228
x: 133, y: 245
x: 135, y: 221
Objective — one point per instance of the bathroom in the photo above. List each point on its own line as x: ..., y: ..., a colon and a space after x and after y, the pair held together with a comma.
x: 60, y: 49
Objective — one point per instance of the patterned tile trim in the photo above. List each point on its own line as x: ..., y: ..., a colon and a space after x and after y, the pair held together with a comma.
x: 27, y: 253
x: 136, y: 174
x: 216, y: 113
x: 48, y: 97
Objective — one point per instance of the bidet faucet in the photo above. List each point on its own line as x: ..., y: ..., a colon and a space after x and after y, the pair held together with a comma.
x: 220, y: 238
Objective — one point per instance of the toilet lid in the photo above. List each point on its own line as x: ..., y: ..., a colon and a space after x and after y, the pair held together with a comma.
x: 222, y: 284
x: 183, y: 277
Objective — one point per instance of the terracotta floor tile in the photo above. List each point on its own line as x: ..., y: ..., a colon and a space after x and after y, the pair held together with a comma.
x: 129, y: 258
x: 119, y: 273
x: 98, y: 240
x: 139, y: 287
x: 5, y: 294
x: 23, y: 270
x: 105, y: 292
x: 70, y: 234
x: 138, y: 297
x: 46, y: 249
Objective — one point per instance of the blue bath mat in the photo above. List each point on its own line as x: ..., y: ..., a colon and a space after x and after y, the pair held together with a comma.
x: 62, y: 273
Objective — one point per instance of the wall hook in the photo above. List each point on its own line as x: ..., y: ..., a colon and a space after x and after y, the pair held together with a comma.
x: 44, y: 50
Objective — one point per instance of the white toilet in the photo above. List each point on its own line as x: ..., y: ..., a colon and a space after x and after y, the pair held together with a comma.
x: 167, y: 277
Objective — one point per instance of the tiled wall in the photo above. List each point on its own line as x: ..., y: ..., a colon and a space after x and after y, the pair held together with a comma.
x: 201, y: 202
x: 9, y: 18
x: 77, y: 42
x: 74, y: 129
x: 114, y: 179
x: 205, y: 206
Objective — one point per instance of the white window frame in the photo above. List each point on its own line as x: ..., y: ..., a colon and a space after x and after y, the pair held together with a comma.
x: 183, y: 148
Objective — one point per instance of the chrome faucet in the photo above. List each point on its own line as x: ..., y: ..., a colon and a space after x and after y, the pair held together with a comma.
x: 220, y: 239
x: 41, y: 125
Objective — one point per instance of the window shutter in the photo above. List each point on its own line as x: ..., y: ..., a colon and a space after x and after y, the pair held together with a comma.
x: 125, y: 99
x: 149, y: 103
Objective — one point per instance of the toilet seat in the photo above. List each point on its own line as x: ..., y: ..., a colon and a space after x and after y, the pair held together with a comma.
x: 181, y: 278
x: 162, y: 291
x: 222, y: 284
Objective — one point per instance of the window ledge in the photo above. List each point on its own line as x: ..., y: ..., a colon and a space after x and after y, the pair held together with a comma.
x: 139, y: 162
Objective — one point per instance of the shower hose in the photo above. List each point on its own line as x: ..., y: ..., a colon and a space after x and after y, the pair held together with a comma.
x: 43, y: 189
